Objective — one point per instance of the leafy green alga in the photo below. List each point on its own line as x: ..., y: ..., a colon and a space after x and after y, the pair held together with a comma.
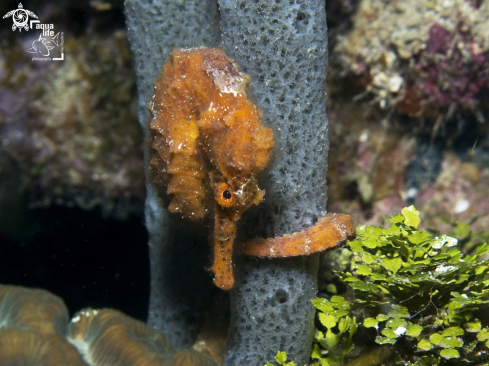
x: 331, y: 346
x: 423, y: 289
x: 418, y: 293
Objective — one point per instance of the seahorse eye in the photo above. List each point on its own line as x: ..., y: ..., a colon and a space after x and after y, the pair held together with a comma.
x: 224, y: 194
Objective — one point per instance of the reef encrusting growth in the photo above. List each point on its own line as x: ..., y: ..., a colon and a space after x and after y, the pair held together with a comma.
x: 422, y: 58
x: 208, y: 145
x: 69, y: 125
x: 408, y: 92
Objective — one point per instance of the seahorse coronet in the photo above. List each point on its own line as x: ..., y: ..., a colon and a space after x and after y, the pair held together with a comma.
x: 207, y: 144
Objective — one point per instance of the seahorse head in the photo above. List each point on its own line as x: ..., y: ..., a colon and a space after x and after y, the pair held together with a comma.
x: 239, y: 195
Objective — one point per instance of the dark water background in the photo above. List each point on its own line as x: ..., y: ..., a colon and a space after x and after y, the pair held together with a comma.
x: 81, y: 257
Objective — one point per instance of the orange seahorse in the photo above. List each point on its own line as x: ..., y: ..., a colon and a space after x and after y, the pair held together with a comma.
x: 208, y: 145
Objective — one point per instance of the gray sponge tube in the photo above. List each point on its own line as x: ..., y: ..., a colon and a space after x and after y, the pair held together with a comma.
x: 283, y: 46
x: 180, y: 287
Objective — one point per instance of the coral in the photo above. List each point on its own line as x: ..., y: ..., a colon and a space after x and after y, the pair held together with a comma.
x: 289, y: 89
x: 375, y: 171
x: 422, y: 58
x: 32, y: 326
x: 459, y: 192
x: 407, y: 83
x: 328, y: 233
x: 188, y: 357
x: 34, y: 330
x: 32, y: 310
x: 209, y: 145
x: 70, y: 125
x: 451, y: 75
x: 23, y: 348
x: 108, y: 334
x: 367, y: 162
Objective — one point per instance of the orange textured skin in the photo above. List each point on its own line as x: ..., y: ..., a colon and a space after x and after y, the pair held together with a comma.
x: 328, y: 233
x: 208, y: 145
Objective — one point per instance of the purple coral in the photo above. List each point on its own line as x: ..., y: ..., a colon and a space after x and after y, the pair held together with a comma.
x: 438, y: 40
x: 453, y: 73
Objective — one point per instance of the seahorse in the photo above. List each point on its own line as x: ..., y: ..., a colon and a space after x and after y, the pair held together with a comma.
x: 208, y: 145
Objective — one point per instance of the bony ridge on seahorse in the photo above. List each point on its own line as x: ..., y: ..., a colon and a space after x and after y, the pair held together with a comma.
x: 208, y: 147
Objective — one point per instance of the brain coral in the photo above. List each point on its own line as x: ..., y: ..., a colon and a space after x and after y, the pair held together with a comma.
x: 34, y: 331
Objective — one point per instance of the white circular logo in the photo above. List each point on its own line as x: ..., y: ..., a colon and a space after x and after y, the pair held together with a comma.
x: 20, y: 18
